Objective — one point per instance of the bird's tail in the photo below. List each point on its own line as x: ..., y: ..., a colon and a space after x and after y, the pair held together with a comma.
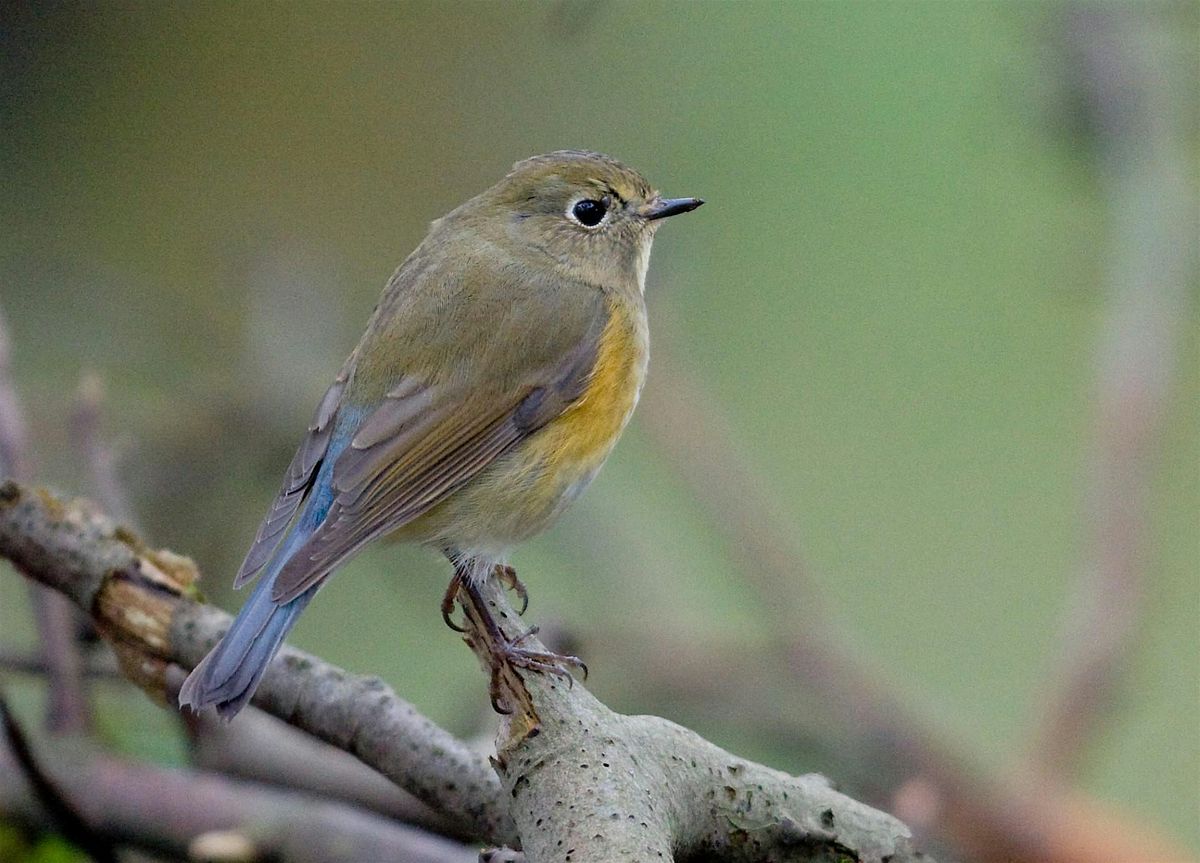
x: 228, y: 676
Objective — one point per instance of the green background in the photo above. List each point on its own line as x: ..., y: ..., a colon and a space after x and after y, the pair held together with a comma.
x: 894, y: 292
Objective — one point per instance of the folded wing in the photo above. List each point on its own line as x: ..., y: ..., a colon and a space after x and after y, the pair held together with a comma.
x: 426, y: 441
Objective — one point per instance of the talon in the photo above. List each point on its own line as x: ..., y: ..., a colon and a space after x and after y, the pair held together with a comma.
x: 446, y: 612
x: 541, y: 661
x: 508, y: 577
x: 494, y: 695
x: 448, y: 599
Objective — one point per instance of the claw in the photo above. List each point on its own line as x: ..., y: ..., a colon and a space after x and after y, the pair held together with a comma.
x: 508, y: 577
x: 498, y: 704
x: 448, y: 599
x: 540, y: 660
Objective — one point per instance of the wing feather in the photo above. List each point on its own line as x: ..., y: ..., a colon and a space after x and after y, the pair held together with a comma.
x: 422, y: 444
x: 296, y: 482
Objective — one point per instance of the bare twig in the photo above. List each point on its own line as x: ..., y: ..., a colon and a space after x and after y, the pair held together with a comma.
x: 687, y: 423
x: 1135, y: 96
x: 694, y: 435
x: 262, y: 748
x: 14, y: 438
x: 67, y: 709
x: 98, y: 664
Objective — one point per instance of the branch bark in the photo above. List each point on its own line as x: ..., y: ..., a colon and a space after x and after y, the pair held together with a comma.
x: 259, y: 747
x: 573, y: 779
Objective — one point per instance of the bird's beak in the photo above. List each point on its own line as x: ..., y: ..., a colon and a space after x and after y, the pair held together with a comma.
x: 660, y: 208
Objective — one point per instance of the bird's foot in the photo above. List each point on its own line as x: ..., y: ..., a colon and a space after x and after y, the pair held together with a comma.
x: 510, y: 653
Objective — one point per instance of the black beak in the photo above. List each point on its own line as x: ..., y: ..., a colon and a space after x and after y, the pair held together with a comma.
x: 662, y: 208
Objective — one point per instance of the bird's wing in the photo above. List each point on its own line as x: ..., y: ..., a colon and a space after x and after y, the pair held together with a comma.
x: 297, y: 481
x: 425, y: 440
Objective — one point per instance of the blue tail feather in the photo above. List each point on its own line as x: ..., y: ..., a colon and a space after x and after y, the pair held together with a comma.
x: 227, y: 677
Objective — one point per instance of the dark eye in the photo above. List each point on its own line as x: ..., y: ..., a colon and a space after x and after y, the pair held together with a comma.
x: 589, y: 213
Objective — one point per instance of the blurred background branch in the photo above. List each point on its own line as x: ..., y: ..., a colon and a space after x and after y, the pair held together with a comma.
x: 1133, y: 91
x: 201, y: 816
x: 67, y: 710
x: 98, y: 455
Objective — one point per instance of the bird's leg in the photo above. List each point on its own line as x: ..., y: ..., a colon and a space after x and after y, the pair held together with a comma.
x: 507, y: 576
x: 506, y: 651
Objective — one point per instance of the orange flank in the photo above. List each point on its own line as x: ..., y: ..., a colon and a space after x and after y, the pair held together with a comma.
x: 522, y: 491
x: 580, y: 439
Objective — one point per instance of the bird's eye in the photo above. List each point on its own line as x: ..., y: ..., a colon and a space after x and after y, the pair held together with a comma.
x: 589, y: 213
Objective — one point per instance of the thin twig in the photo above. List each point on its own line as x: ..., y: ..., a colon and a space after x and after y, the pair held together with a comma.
x: 262, y: 748
x: 67, y: 710
x: 99, y: 665
x: 14, y: 438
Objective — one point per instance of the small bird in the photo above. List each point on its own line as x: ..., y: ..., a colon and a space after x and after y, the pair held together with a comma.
x: 497, y: 371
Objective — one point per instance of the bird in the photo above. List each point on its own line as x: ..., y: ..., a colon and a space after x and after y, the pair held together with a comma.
x: 501, y: 363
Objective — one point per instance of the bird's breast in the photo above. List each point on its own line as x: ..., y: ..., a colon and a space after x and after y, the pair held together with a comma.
x: 581, y: 438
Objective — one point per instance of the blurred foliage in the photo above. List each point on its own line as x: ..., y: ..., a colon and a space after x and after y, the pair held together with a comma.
x: 894, y: 292
x: 16, y: 846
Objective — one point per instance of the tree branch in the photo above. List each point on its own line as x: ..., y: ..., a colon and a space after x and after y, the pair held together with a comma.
x: 259, y: 747
x: 48, y: 794
x: 98, y: 454
x: 141, y: 600
x: 591, y: 784
x: 14, y: 439
x: 572, y: 774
